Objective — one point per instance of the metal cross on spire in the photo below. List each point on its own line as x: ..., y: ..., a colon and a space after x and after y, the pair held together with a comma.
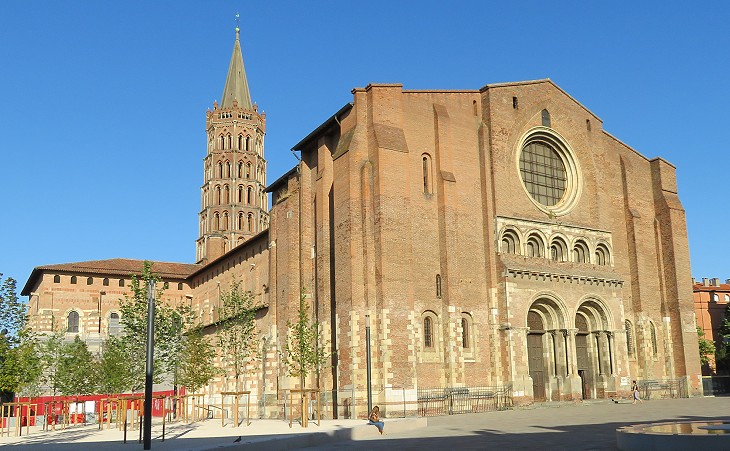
x: 238, y: 21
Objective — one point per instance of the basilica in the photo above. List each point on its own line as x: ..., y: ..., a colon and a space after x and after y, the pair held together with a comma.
x: 495, y: 237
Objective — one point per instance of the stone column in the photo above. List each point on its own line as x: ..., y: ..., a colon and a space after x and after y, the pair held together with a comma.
x: 573, y: 389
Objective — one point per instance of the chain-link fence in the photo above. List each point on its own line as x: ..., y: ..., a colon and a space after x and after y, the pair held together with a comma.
x: 715, y: 385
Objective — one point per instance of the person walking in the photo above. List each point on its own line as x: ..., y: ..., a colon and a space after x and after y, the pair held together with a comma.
x: 375, y: 420
x: 635, y: 390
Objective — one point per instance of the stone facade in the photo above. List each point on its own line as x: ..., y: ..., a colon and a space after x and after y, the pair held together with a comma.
x: 493, y: 237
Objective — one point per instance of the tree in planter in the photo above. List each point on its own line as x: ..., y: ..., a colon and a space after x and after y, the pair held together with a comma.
x: 77, y: 369
x: 305, y: 349
x: 196, y: 362
x: 171, y: 323
x: 237, y: 331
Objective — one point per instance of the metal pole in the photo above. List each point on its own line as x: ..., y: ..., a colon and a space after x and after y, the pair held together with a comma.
x: 150, y: 363
x: 367, y: 351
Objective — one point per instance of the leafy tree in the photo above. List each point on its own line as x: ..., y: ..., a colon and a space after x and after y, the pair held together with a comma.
x: 19, y: 364
x: 237, y: 333
x: 196, y: 362
x: 170, y: 325
x: 707, y: 347
x: 304, y: 351
x: 77, y: 369
x: 49, y: 352
x: 722, y: 354
x: 115, y: 371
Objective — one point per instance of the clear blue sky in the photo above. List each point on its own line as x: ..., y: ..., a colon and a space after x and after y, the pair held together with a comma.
x: 102, y: 104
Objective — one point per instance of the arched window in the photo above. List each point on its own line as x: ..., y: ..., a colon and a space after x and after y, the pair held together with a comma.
x: 240, y: 221
x: 105, y: 282
x: 240, y: 169
x: 222, y: 142
x: 427, y: 332
x: 465, y: 333
x: 72, y: 322
x: 248, y: 142
x: 534, y: 246
x: 438, y: 285
x: 580, y: 252
x: 217, y: 195
x: 427, y: 174
x: 220, y: 170
x: 225, y: 220
x: 228, y: 169
x: 727, y: 298
x: 89, y: 280
x: 510, y: 242
x: 121, y: 282
x: 652, y: 330
x: 250, y: 222
x: 226, y: 195
x: 248, y: 170
x: 249, y: 195
x: 56, y: 279
x: 216, y: 221
x: 558, y: 250
x: 73, y: 280
x: 230, y: 141
x: 602, y: 255
x: 240, y: 193
x: 240, y: 142
x: 114, y: 328
x: 630, y: 348
x: 715, y: 297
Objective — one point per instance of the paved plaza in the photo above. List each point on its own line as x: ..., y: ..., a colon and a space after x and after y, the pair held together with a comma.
x: 574, y: 426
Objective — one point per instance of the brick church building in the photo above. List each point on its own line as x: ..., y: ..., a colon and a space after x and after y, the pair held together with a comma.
x: 495, y: 237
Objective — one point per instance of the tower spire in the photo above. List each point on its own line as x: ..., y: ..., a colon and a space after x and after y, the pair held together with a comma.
x: 236, y: 87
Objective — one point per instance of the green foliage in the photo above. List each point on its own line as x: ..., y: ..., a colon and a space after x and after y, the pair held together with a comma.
x: 171, y: 323
x: 20, y: 366
x: 77, y: 369
x: 707, y: 347
x: 237, y: 332
x: 196, y: 362
x: 115, y: 370
x: 722, y: 353
x: 12, y: 311
x: 304, y: 351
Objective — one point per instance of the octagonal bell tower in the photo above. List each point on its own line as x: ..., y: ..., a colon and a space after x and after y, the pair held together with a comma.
x: 234, y: 204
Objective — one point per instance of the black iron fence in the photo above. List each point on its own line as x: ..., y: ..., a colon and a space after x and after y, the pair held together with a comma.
x: 455, y: 400
x: 664, y: 388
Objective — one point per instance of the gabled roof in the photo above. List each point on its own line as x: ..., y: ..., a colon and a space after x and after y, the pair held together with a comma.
x: 236, y: 87
x: 113, y: 267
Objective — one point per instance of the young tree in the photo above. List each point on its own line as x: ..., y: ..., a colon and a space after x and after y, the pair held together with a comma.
x: 77, y: 370
x: 237, y: 332
x: 304, y: 351
x: 707, y: 347
x: 115, y: 371
x: 49, y: 351
x: 170, y: 326
x: 196, y: 362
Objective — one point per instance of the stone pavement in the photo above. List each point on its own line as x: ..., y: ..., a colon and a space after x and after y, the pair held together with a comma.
x: 575, y: 426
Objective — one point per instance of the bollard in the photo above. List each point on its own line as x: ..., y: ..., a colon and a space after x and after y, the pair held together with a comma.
x: 125, y: 430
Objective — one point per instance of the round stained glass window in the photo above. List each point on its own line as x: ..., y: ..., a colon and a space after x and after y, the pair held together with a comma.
x: 548, y: 170
x: 543, y: 173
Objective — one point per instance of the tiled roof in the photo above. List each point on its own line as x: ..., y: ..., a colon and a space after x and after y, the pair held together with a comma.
x: 698, y: 286
x: 116, y: 267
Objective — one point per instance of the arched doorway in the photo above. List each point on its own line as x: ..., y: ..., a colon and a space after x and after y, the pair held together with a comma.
x: 545, y: 349
x: 593, y: 348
